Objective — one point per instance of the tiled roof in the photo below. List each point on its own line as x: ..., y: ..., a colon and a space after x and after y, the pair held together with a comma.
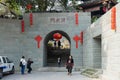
x: 90, y: 3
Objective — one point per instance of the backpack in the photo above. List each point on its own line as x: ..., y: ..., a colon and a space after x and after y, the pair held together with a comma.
x: 20, y: 64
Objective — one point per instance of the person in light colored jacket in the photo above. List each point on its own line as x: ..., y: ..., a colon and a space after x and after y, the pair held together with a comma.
x: 23, y: 61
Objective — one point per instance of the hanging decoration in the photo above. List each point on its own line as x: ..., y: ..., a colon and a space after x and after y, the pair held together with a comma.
x: 31, y: 19
x: 76, y: 38
x: 76, y: 18
x: 113, y: 18
x: 29, y: 6
x: 38, y: 38
x: 22, y: 26
x: 81, y: 37
x: 57, y: 36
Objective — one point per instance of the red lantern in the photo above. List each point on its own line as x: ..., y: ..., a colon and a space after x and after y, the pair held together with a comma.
x: 76, y: 18
x: 113, y: 18
x: 22, y: 26
x: 57, y: 36
x: 31, y: 19
x: 29, y: 6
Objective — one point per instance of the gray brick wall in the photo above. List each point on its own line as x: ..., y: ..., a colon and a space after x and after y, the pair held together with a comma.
x: 107, y: 49
x: 110, y: 49
x: 14, y: 44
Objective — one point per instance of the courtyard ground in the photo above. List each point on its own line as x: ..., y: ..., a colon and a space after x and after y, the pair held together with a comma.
x: 46, y: 76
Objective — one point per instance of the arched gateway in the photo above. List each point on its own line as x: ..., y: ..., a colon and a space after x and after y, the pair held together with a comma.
x: 52, y: 51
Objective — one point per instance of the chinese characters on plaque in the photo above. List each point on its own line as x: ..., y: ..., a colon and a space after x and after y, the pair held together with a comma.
x: 57, y: 20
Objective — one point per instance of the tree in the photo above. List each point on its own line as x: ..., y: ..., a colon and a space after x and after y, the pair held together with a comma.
x: 11, y: 7
x: 14, y: 7
x: 39, y: 5
x: 64, y: 3
x: 43, y: 5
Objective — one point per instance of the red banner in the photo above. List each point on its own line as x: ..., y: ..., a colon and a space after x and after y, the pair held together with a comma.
x: 76, y: 18
x: 31, y: 19
x: 22, y: 26
x: 81, y: 37
x: 113, y: 18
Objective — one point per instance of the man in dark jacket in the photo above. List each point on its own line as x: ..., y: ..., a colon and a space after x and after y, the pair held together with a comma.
x: 29, y: 62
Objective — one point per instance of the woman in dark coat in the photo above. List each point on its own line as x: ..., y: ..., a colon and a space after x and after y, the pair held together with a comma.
x: 29, y: 62
x: 69, y: 65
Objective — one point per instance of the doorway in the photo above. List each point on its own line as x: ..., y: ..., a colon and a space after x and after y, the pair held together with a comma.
x: 97, y: 57
x: 54, y: 49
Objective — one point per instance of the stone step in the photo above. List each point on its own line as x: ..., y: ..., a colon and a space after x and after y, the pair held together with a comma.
x: 53, y: 69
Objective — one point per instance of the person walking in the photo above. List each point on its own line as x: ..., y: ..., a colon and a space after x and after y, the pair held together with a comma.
x: 59, y: 44
x: 69, y: 65
x: 22, y: 64
x: 29, y: 62
x: 59, y: 61
x: 55, y: 43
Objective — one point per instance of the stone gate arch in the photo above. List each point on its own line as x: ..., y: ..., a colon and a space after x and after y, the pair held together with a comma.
x: 50, y: 55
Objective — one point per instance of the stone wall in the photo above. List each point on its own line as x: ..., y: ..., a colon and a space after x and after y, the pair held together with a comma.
x: 92, y: 46
x: 14, y: 44
x: 91, y: 49
x: 11, y: 39
x: 111, y: 47
x: 107, y: 49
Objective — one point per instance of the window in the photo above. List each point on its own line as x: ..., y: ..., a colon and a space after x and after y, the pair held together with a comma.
x: 4, y: 60
x: 0, y: 61
x: 8, y: 61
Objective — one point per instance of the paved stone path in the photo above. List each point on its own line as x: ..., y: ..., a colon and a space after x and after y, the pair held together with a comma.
x: 46, y: 76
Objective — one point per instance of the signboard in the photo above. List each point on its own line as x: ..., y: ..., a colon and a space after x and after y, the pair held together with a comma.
x: 57, y: 20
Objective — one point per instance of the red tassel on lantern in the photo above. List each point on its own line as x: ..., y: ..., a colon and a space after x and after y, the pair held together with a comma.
x: 76, y: 18
x: 22, y: 26
x: 113, y: 18
x: 81, y: 37
x: 31, y: 19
